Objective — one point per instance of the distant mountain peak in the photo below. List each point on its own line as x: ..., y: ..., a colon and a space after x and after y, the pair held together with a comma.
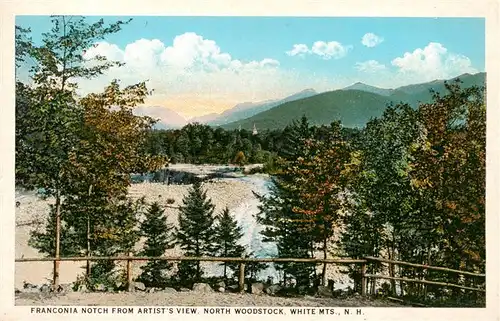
x: 372, y: 89
x: 249, y: 109
x: 167, y: 118
x: 354, y: 105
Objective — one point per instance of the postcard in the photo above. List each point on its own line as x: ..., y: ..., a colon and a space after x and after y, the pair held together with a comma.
x: 315, y: 160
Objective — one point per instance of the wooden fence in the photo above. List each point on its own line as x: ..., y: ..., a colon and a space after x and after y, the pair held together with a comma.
x: 243, y: 261
x: 425, y: 267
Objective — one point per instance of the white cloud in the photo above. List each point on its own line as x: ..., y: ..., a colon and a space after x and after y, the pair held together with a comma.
x: 326, y: 50
x: 192, y: 75
x: 370, y: 66
x: 189, y: 52
x: 432, y: 62
x: 298, y: 50
x: 371, y: 40
x: 105, y: 49
x: 429, y: 63
x: 332, y: 49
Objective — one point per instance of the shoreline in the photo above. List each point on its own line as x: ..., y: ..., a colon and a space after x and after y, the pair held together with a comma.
x: 32, y: 212
x: 234, y: 191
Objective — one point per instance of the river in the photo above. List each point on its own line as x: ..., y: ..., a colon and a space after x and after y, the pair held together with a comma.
x: 245, y: 215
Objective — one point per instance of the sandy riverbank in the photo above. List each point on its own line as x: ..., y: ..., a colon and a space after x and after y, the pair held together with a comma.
x: 33, y: 211
x: 234, y: 192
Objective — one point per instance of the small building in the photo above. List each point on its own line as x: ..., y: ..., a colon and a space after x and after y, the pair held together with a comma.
x: 254, y: 132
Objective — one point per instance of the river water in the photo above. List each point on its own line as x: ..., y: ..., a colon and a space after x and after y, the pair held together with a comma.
x: 253, y: 239
x: 245, y: 214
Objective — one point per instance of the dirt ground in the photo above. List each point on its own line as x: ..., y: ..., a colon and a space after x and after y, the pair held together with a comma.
x: 214, y: 299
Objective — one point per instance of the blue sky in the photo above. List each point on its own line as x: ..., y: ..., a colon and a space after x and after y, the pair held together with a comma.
x: 219, y: 61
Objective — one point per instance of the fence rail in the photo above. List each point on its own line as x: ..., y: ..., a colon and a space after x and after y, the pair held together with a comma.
x: 243, y: 261
x: 191, y: 258
x: 423, y: 266
x: 424, y: 282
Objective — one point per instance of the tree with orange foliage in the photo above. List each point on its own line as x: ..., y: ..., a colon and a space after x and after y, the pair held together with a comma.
x: 319, y: 179
x: 48, y: 115
x: 240, y: 158
x: 449, y: 171
x: 80, y: 150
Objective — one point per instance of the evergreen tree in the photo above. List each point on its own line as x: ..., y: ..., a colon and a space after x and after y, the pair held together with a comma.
x: 227, y: 233
x: 195, y: 233
x: 289, y: 230
x: 43, y: 239
x: 159, y: 238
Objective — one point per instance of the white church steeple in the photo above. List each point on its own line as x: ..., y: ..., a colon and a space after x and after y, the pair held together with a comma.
x: 254, y: 130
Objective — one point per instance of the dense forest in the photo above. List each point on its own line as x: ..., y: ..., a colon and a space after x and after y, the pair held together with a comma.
x: 408, y: 186
x: 202, y: 144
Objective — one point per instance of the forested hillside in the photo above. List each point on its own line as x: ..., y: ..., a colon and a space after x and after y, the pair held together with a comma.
x: 354, y: 106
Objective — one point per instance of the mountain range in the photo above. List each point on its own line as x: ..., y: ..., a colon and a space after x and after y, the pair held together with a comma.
x: 353, y: 106
x: 249, y: 109
x: 169, y: 119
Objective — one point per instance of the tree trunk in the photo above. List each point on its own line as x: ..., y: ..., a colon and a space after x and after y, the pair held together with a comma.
x: 315, y: 273
x: 58, y: 239
x: 197, y: 277
x: 64, y: 58
x: 88, y: 268
x: 372, y: 285
x: 225, y: 263
x: 325, y: 254
x: 401, y: 283
x: 427, y: 271
x: 391, y: 271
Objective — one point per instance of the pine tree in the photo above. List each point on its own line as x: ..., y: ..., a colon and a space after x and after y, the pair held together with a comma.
x: 43, y: 239
x: 288, y: 230
x: 159, y: 238
x: 227, y: 233
x: 195, y: 233
x: 283, y: 226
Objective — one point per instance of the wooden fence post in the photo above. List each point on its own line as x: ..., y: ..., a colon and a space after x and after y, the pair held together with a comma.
x: 130, y: 287
x: 56, y: 263
x: 363, y: 279
x: 241, y: 279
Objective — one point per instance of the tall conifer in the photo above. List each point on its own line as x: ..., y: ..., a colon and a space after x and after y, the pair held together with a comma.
x: 195, y: 233
x: 159, y: 239
x: 227, y: 233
